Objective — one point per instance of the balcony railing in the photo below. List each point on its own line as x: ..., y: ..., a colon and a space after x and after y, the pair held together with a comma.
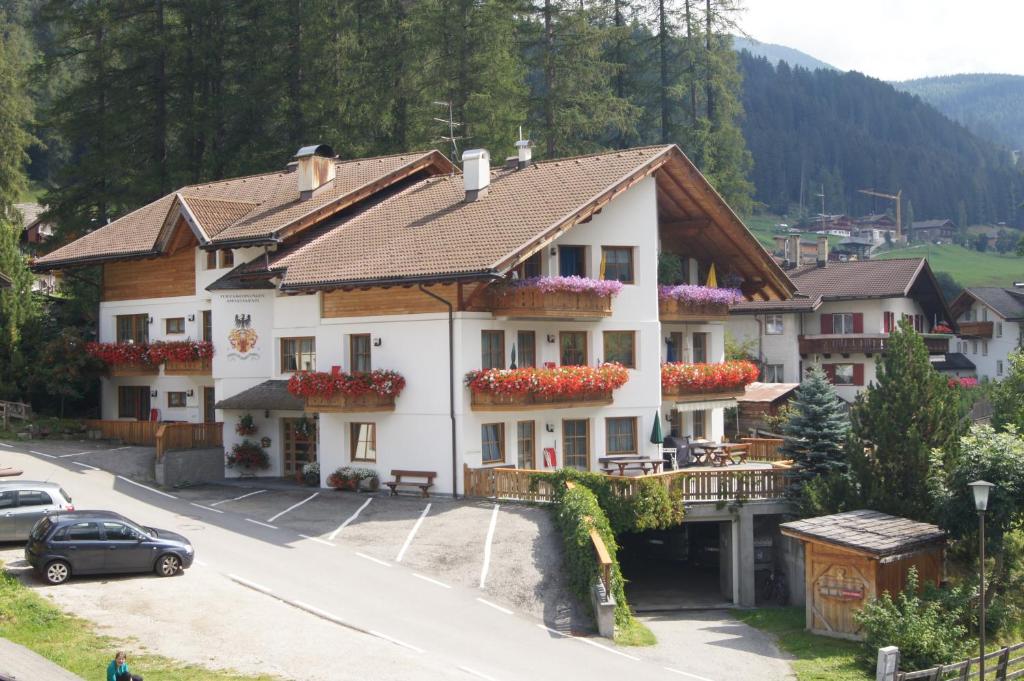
x: 685, y: 382
x: 529, y: 388
x: 341, y: 403
x: 134, y: 369
x: 553, y: 298
x: 342, y: 392
x: 845, y: 344
x: 976, y: 329
x: 189, y: 367
x: 686, y: 311
x: 529, y: 401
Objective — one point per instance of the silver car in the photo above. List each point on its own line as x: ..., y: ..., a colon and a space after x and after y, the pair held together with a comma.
x: 23, y: 502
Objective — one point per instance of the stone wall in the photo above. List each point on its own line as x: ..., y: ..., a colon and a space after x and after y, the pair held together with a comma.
x: 190, y: 466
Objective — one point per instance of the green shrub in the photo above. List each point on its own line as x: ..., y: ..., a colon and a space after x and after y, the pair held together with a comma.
x: 925, y: 632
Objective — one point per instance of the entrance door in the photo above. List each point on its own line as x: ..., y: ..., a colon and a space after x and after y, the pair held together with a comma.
x: 209, y: 414
x: 299, y: 444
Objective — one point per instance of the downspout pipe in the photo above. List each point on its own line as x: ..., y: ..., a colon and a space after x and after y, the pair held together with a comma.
x: 451, y: 383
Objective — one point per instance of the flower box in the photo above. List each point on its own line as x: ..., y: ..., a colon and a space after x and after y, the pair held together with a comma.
x: 544, y: 388
x: 553, y: 298
x: 528, y: 401
x: 133, y: 369
x: 340, y: 402
x: 342, y: 392
x: 183, y: 358
x: 683, y: 381
x: 188, y: 367
x: 687, y: 303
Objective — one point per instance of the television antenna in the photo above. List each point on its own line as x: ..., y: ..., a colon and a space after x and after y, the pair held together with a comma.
x: 451, y: 138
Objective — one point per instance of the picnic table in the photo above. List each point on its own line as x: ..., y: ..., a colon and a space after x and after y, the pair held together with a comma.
x: 629, y: 462
x: 719, y: 453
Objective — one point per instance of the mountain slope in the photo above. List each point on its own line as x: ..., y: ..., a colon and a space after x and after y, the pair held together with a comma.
x: 989, y: 104
x: 776, y: 53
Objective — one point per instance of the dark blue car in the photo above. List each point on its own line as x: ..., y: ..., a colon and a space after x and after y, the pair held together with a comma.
x: 103, y: 542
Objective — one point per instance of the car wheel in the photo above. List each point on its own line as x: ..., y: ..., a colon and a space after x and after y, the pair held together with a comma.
x: 168, y: 565
x: 57, y: 572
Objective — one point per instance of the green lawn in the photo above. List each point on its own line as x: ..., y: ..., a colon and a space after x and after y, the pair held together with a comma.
x: 818, y: 658
x: 968, y: 267
x: 29, y: 619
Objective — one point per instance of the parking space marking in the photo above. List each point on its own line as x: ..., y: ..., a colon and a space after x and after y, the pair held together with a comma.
x: 350, y: 519
x: 316, y: 539
x: 487, y: 547
x: 396, y: 641
x: 206, y: 508
x: 85, y: 465
x: 292, y: 507
x: 256, y: 522
x: 375, y: 560
x: 589, y: 643
x: 224, y: 501
x: 496, y: 607
x: 117, y: 449
x: 473, y: 672
x: 139, y: 484
x: 65, y: 456
x: 412, y: 533
x: 48, y: 456
x: 431, y: 580
x: 692, y: 676
x: 4, y: 444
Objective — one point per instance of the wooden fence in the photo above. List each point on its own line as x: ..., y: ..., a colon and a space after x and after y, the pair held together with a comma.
x: 696, y: 486
x: 763, y: 449
x: 130, y: 432
x: 14, y: 410
x: 1000, y: 665
x: 187, y: 436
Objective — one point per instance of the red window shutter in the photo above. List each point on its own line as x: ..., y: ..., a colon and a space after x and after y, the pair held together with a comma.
x: 830, y: 372
x: 826, y: 323
x: 858, y: 322
x: 889, y: 323
x: 858, y: 374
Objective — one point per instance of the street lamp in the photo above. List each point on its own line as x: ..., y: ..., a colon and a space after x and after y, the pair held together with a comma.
x: 981, y: 489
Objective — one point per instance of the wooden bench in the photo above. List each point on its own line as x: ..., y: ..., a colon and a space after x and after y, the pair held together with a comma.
x: 424, y: 485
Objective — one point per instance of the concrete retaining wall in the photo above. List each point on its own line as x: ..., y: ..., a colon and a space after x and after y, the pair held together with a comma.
x: 790, y: 559
x: 190, y: 466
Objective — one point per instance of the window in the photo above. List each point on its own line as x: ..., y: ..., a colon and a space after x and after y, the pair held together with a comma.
x: 576, y: 443
x: 175, y: 399
x: 526, y: 444
x: 211, y: 260
x: 700, y: 347
x: 620, y: 435
x: 84, y: 532
x: 620, y: 346
x: 572, y: 261
x: 772, y: 373
x: 984, y: 348
x: 492, y: 442
x: 999, y: 329
x: 7, y: 499
x: 132, y: 328
x: 984, y: 314
x: 843, y: 374
x: 208, y: 325
x: 492, y: 349
x: 888, y: 322
x: 298, y: 354
x: 617, y: 263
x: 119, y: 532
x: 527, y: 346
x: 999, y: 367
x: 359, y: 352
x: 227, y: 258
x: 174, y: 325
x: 700, y: 424
x: 529, y: 268
x: 974, y: 347
x: 133, y: 402
x: 842, y: 322
x: 773, y: 325
x: 573, y: 345
x: 34, y: 498
x: 363, y: 439
x: 675, y: 351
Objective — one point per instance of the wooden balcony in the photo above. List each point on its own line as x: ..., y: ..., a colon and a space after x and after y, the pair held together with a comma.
x: 484, y: 401
x: 976, y: 329
x: 190, y: 367
x: 531, y: 303
x: 937, y: 343
x: 672, y: 310
x: 839, y: 344
x: 682, y: 393
x: 139, y: 369
x: 340, y: 403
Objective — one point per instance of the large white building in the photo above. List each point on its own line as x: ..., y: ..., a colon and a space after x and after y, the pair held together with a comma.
x: 405, y: 264
x: 990, y: 323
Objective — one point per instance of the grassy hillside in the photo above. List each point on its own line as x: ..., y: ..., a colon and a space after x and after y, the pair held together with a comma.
x: 968, y: 267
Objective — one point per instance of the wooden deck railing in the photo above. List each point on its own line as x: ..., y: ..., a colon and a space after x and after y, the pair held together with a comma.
x: 129, y: 432
x: 604, y: 558
x: 764, y: 449
x: 14, y: 410
x: 187, y: 436
x: 1000, y: 665
x: 505, y: 483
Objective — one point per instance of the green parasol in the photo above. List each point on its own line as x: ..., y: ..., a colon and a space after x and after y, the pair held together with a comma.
x: 656, y: 435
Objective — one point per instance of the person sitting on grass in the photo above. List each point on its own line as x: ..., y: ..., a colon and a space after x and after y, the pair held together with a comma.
x: 117, y: 670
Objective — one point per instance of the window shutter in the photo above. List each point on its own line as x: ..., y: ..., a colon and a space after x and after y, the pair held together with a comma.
x: 830, y: 372
x: 826, y: 323
x: 858, y: 374
x: 858, y: 322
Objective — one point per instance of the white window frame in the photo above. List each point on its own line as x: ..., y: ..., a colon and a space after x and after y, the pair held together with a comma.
x: 984, y: 348
x: 999, y: 329
x: 852, y: 374
x: 774, y: 373
x: 841, y: 319
x: 999, y: 367
x: 774, y: 325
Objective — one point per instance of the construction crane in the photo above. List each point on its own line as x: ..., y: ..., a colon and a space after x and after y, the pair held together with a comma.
x: 892, y: 197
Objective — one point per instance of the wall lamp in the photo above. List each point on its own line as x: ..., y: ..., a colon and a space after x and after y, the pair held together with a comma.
x: 554, y: 250
x: 377, y: 342
x: 149, y: 320
x: 191, y: 317
x: 191, y: 392
x: 551, y: 338
x: 550, y: 427
x: 266, y: 413
x: 152, y: 393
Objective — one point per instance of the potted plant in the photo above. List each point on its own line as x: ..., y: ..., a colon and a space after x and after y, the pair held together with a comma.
x: 368, y: 480
x: 311, y: 473
x: 246, y: 425
x: 344, y: 478
x: 247, y: 456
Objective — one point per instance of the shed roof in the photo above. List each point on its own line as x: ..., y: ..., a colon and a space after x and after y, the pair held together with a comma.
x: 866, y: 531
x: 266, y: 395
x: 767, y: 392
x: 954, y: 361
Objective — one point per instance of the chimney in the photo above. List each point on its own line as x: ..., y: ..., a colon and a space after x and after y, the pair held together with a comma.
x: 793, y: 250
x: 476, y: 173
x: 524, y: 149
x: 315, y: 168
x: 822, y: 250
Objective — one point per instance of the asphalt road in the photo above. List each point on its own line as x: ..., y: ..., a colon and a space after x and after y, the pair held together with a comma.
x: 446, y: 626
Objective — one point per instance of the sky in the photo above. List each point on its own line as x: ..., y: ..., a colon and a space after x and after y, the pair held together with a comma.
x: 896, y: 39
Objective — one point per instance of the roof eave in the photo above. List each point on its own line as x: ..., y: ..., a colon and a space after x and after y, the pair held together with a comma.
x: 88, y: 261
x: 389, y: 281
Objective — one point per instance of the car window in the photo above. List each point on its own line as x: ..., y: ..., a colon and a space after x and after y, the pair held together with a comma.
x: 7, y: 499
x: 59, y: 535
x: 119, y: 532
x: 67, y: 497
x: 33, y: 498
x: 84, y: 532
x: 41, y: 528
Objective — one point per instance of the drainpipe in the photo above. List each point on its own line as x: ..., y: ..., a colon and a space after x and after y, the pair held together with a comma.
x: 451, y: 382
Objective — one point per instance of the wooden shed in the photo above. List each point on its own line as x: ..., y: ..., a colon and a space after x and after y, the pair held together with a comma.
x: 852, y: 557
x: 760, y: 400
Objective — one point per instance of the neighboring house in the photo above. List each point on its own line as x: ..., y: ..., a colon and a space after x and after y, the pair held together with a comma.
x: 841, y: 320
x: 855, y: 247
x: 35, y: 231
x: 991, y: 326
x: 762, y: 400
x: 933, y: 231
x: 401, y: 263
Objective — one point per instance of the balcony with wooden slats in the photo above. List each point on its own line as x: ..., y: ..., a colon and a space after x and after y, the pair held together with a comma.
x: 189, y: 367
x: 976, y: 329
x: 848, y: 344
x: 482, y: 401
x: 671, y: 310
x: 531, y: 303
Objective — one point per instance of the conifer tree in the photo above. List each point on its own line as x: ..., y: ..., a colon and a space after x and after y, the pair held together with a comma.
x: 816, y: 432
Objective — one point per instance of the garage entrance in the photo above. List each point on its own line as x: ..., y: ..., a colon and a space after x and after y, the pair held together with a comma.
x: 683, y: 568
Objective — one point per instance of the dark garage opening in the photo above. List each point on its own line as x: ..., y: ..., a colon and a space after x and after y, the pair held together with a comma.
x: 682, y: 568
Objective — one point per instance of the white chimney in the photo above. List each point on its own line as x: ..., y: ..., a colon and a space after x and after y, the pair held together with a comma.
x: 525, y: 152
x: 822, y: 251
x: 315, y: 168
x: 476, y: 173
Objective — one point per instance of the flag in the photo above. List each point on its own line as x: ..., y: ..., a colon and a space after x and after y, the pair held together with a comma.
x: 712, y: 279
x: 602, y: 265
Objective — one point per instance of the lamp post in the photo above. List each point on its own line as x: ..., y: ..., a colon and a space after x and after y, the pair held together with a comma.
x: 981, y: 490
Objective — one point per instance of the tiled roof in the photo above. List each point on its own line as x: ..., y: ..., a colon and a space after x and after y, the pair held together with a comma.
x: 266, y: 395
x: 766, y: 306
x: 30, y: 212
x: 1007, y: 302
x: 766, y: 392
x: 240, y: 209
x: 930, y: 224
x: 858, y: 279
x: 867, y: 531
x: 954, y: 361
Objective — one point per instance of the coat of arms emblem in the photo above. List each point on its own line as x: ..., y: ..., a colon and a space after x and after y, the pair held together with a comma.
x: 243, y: 337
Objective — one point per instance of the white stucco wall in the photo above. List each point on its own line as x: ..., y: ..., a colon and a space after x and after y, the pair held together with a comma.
x: 987, y: 353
